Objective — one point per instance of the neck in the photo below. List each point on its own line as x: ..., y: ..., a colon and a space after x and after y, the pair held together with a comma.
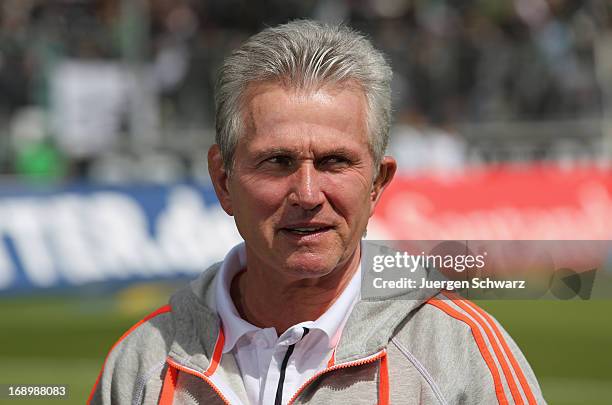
x: 266, y: 300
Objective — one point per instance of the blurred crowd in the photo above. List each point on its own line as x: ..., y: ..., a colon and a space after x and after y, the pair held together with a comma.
x: 122, y: 90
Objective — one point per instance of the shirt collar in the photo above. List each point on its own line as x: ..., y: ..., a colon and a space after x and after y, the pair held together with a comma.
x: 234, y: 327
x: 331, y: 322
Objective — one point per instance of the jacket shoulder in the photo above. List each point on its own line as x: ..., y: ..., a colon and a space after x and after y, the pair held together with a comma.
x: 137, y: 356
x: 465, y: 354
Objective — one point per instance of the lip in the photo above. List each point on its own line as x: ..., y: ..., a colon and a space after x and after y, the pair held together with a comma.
x: 306, y: 237
x: 310, y: 224
x: 324, y: 228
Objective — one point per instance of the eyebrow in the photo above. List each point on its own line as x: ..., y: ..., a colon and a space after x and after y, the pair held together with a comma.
x: 273, y: 152
x: 338, y: 150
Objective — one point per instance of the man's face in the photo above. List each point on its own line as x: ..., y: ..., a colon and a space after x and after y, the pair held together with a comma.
x: 302, y: 187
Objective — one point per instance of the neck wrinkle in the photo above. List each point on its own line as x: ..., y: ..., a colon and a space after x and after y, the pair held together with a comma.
x: 268, y: 303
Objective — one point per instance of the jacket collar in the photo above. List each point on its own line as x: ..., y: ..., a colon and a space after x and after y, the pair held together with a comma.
x: 368, y: 330
x: 196, y: 323
x: 372, y: 324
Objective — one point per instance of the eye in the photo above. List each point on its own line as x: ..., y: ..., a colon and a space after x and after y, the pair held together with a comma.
x: 334, y: 162
x: 280, y: 160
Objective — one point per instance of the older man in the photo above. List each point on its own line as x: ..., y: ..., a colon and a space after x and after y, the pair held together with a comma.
x: 302, y: 125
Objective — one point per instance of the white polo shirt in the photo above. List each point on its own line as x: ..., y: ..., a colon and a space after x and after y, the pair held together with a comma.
x: 273, y: 366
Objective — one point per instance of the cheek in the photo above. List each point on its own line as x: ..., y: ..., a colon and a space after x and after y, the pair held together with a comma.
x: 255, y: 202
x: 350, y: 196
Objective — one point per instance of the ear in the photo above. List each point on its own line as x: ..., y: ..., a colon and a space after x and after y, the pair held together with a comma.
x: 386, y: 171
x: 219, y: 178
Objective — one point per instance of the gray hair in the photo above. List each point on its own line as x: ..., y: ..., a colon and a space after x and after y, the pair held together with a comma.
x: 303, y: 54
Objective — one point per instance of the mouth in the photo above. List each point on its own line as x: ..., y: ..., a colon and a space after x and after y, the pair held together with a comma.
x: 306, y: 230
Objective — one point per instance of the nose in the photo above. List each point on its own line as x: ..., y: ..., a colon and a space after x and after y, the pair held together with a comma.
x: 306, y: 190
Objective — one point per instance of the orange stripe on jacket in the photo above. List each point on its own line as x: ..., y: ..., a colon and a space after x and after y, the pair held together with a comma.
x: 517, y: 369
x: 383, y: 384
x: 516, y: 395
x: 482, y: 346
x: 166, y: 396
x: 217, y: 352
x: 332, y: 359
x: 164, y: 309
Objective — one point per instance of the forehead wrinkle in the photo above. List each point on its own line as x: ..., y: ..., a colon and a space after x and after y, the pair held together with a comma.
x: 305, y: 130
x: 306, y: 133
x: 249, y: 109
x: 324, y: 94
x: 289, y: 150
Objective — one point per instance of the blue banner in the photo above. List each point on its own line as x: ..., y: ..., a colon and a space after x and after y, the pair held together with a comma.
x: 82, y: 234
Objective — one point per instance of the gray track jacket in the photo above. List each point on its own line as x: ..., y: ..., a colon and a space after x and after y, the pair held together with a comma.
x: 426, y: 350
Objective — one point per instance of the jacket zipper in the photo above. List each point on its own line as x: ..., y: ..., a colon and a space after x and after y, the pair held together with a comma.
x: 198, y: 374
x: 373, y: 358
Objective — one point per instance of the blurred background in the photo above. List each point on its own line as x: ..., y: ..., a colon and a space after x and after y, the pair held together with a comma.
x: 502, y: 130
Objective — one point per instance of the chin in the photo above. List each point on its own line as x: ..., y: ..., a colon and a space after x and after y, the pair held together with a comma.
x: 310, y: 267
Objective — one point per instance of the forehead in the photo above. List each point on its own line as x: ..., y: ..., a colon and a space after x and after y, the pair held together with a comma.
x: 274, y: 112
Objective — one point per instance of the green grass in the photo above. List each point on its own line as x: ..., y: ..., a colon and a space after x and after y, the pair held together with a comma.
x: 63, y: 340
x: 567, y: 343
